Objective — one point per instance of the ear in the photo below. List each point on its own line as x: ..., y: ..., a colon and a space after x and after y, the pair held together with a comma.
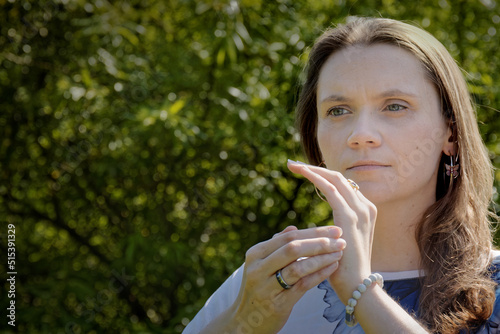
x: 450, y: 146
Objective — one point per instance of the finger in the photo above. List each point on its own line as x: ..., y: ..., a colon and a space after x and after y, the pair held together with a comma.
x: 363, y: 198
x: 350, y: 192
x: 268, y: 247
x: 296, y: 249
x: 334, y: 197
x: 300, y: 269
x: 312, y: 280
x: 287, y: 229
x: 337, y: 179
x: 352, y: 197
x: 286, y: 297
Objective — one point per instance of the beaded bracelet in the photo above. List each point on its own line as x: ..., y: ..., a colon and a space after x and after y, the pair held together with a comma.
x: 350, y: 319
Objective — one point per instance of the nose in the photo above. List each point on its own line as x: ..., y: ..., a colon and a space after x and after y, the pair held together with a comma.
x: 365, y: 132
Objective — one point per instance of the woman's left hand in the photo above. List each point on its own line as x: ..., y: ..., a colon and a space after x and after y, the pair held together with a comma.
x: 355, y: 214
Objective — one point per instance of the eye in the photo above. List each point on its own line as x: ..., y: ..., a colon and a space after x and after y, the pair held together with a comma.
x: 395, y: 107
x: 337, y: 111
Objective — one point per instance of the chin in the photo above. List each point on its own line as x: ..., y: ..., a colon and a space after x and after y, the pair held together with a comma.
x: 378, y: 193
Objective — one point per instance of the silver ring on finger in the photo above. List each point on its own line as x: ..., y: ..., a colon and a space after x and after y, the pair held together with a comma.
x: 281, y: 281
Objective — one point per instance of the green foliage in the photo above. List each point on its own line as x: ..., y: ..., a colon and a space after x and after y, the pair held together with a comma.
x: 144, y: 144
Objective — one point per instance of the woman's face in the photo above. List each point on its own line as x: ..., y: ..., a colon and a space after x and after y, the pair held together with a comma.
x: 380, y: 122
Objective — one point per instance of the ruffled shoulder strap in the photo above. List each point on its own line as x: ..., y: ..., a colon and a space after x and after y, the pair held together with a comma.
x: 493, y: 323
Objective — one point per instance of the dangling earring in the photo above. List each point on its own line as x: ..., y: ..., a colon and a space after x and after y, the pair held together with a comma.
x: 453, y: 169
x: 317, y: 191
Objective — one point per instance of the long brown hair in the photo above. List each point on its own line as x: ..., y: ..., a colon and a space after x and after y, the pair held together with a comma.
x: 454, y: 235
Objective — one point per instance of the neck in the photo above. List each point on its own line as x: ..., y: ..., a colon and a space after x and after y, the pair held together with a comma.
x: 394, y: 246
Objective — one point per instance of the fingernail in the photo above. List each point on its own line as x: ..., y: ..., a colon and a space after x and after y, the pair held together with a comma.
x: 291, y: 161
x: 337, y: 256
x: 334, y: 266
x: 342, y: 243
x: 300, y: 162
x: 335, y: 231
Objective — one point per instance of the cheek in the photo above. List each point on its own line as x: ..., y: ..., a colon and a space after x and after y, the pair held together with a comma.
x: 330, y: 145
x: 324, y: 139
x: 322, y: 136
x: 421, y: 156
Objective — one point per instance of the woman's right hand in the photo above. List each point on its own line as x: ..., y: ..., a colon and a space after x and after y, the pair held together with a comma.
x: 305, y: 257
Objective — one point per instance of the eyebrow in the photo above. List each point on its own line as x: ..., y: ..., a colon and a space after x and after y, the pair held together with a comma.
x: 335, y: 98
x: 395, y: 92
x: 386, y: 94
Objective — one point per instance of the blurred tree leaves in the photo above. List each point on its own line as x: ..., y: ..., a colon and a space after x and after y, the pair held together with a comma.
x: 144, y: 144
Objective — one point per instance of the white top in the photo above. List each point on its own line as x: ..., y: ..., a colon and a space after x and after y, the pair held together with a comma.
x: 319, y: 310
x: 306, y: 317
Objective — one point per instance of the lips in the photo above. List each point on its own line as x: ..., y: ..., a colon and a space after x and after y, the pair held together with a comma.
x: 367, y: 165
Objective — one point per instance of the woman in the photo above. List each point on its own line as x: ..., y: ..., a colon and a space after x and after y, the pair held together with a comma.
x: 386, y: 110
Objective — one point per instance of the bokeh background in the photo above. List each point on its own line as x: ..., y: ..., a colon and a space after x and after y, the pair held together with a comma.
x: 143, y: 144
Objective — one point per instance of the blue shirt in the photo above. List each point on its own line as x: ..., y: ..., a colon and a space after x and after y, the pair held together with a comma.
x: 407, y: 293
